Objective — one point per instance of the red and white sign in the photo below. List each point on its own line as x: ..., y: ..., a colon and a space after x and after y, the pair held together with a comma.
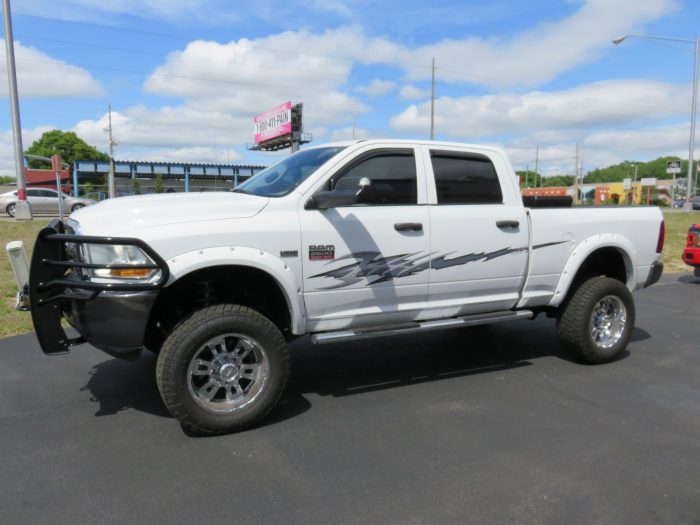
x: 273, y: 123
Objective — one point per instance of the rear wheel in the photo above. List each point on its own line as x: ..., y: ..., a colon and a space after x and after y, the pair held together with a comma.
x: 223, y: 369
x: 11, y: 209
x: 596, y: 323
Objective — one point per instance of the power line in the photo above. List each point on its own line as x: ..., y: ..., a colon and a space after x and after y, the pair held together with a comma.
x: 190, y: 39
x: 167, y: 75
x: 153, y: 53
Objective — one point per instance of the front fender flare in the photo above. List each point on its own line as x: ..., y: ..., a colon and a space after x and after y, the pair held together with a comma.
x: 186, y: 263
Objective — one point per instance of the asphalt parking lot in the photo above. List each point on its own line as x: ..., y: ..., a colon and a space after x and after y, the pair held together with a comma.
x: 483, y: 425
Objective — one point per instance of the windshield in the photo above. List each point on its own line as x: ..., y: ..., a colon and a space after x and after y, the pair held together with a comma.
x: 280, y: 179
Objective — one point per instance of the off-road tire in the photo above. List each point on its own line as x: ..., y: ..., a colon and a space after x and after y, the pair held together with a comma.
x: 575, y: 320
x: 179, y: 349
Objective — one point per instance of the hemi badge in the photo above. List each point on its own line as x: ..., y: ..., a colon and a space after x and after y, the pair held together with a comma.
x: 289, y: 253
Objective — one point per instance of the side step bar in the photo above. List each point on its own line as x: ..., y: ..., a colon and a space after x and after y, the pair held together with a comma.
x: 420, y: 326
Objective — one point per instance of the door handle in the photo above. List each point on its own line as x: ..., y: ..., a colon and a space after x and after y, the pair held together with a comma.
x: 408, y: 227
x: 507, y: 224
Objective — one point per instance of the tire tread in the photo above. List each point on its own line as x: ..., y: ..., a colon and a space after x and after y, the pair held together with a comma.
x: 572, y: 325
x: 168, y: 357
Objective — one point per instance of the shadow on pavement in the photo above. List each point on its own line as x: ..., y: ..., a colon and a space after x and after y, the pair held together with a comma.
x: 349, y: 368
x: 639, y: 334
x: 357, y: 367
x: 117, y: 385
x: 689, y: 278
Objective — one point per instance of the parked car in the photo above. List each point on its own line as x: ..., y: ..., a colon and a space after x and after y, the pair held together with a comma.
x: 43, y: 200
x: 691, y: 253
x: 696, y: 202
x: 678, y: 203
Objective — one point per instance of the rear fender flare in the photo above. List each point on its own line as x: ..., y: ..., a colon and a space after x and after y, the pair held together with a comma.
x: 583, y: 250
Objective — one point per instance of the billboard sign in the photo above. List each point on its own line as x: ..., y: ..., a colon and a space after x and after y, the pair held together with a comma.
x: 275, y: 122
x: 649, y: 181
x: 627, y: 184
x: 673, y: 166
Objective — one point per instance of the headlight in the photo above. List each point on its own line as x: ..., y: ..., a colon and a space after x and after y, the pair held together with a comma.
x: 121, y: 255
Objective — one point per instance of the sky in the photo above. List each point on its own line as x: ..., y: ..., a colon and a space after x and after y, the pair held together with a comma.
x: 186, y: 77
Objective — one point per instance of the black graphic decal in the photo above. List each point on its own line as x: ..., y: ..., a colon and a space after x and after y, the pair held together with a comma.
x: 378, y: 269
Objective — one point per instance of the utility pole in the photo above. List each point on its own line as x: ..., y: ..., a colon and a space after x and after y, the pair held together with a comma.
x: 537, y: 162
x: 22, y: 209
x: 353, y: 131
x: 577, y: 169
x: 432, y: 105
x: 527, y: 176
x: 112, y: 143
x: 693, y: 112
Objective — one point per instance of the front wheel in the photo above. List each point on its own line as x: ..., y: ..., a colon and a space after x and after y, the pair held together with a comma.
x: 77, y: 207
x: 223, y: 369
x: 11, y: 209
x: 597, y: 321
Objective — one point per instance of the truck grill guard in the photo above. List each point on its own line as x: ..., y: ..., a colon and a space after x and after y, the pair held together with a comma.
x: 57, y: 278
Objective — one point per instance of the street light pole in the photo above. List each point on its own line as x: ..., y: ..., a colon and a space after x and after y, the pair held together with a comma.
x: 693, y: 109
x: 22, y: 209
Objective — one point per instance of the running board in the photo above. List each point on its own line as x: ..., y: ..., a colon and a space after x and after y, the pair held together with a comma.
x: 420, y: 326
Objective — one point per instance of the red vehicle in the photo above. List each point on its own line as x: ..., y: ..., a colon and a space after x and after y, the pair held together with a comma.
x: 691, y: 254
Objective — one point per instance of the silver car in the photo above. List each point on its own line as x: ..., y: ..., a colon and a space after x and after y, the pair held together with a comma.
x: 42, y: 200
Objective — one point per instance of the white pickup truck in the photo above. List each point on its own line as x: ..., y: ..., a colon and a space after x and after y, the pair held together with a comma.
x: 341, y: 241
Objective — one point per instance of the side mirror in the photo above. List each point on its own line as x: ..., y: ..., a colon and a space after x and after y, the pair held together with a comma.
x: 361, y: 193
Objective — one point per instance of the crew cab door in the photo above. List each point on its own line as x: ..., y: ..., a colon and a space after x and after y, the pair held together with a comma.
x: 366, y: 263
x: 479, y: 231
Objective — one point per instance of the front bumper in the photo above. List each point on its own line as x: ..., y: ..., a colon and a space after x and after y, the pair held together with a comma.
x: 111, y: 316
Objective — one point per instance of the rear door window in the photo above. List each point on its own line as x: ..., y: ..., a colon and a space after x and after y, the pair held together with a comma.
x: 465, y: 178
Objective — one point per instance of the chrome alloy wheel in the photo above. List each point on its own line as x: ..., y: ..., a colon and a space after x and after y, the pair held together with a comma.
x: 227, y: 373
x: 608, y: 321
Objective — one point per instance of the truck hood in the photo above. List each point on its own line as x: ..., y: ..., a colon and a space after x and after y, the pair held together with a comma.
x: 124, y: 214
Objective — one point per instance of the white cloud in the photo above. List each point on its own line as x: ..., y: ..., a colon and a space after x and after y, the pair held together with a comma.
x: 605, y: 103
x: 187, y: 154
x: 7, y: 151
x: 409, y: 92
x: 377, y: 87
x: 601, y: 148
x: 347, y: 134
x: 539, y: 54
x: 41, y: 76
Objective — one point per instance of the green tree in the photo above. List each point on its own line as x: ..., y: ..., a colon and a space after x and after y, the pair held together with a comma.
x: 626, y: 170
x: 529, y: 179
x: 66, y: 144
x: 136, y: 186
x: 158, y: 183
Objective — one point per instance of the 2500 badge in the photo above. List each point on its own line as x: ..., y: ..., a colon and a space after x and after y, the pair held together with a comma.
x: 321, y: 252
